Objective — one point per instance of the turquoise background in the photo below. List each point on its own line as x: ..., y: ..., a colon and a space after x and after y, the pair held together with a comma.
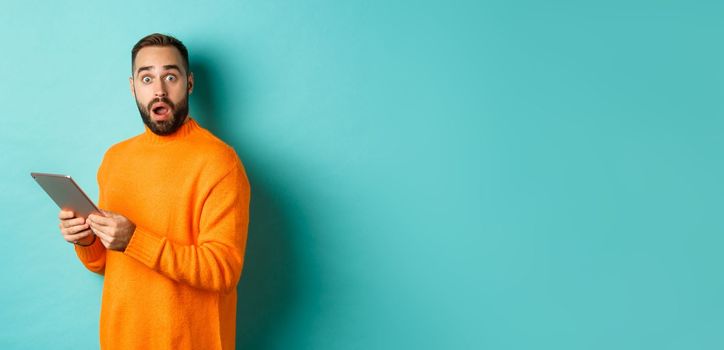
x: 425, y: 175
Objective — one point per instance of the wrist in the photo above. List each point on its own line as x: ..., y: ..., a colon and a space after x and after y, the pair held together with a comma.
x: 86, y: 243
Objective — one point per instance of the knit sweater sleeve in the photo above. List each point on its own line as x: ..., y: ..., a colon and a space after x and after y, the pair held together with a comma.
x: 215, y: 262
x: 93, y: 257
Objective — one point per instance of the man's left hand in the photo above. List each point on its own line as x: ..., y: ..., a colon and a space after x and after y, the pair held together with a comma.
x: 113, y: 229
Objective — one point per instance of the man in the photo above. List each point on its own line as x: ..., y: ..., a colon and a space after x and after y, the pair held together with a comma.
x: 175, y: 205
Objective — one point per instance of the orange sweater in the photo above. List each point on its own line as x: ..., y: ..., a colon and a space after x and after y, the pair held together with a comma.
x: 174, y: 287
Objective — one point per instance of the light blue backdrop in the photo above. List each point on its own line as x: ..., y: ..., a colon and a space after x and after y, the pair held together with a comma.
x: 425, y: 175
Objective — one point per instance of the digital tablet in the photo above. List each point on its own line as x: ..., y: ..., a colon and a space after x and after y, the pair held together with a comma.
x: 66, y: 194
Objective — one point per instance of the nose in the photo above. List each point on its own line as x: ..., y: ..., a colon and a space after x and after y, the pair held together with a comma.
x: 160, y: 90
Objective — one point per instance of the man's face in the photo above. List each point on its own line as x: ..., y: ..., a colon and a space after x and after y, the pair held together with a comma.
x: 161, y: 88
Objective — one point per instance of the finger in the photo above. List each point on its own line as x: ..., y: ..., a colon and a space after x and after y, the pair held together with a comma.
x: 104, y: 240
x: 74, y: 229
x: 66, y: 214
x: 98, y: 229
x: 72, y: 222
x: 100, y: 220
x: 77, y: 237
x: 102, y: 231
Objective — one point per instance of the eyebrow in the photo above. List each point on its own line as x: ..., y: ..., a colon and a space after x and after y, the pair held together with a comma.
x: 166, y: 67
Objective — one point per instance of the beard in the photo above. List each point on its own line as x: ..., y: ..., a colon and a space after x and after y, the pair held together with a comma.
x: 165, y: 127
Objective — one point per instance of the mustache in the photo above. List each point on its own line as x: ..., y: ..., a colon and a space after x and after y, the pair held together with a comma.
x: 162, y: 99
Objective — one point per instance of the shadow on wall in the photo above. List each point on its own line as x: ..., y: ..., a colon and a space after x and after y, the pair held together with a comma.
x: 266, y: 292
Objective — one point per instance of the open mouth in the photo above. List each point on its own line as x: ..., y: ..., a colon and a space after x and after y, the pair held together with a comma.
x: 160, y: 111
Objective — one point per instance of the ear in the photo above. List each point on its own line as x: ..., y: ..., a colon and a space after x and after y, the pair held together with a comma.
x: 130, y: 84
x: 190, y: 84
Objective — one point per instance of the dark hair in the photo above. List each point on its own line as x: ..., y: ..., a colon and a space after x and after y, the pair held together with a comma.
x: 157, y: 39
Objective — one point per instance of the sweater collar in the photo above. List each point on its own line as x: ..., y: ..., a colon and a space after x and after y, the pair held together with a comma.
x: 186, y: 128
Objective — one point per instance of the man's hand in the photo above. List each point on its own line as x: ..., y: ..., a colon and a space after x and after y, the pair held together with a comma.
x: 113, y: 229
x: 74, y: 230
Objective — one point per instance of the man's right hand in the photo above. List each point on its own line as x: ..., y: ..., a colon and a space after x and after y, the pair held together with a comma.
x: 74, y: 230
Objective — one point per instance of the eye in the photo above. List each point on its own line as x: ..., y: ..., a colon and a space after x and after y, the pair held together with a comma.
x: 146, y: 80
x: 171, y: 77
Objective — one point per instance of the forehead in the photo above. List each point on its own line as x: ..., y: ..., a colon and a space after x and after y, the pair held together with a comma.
x: 157, y: 57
